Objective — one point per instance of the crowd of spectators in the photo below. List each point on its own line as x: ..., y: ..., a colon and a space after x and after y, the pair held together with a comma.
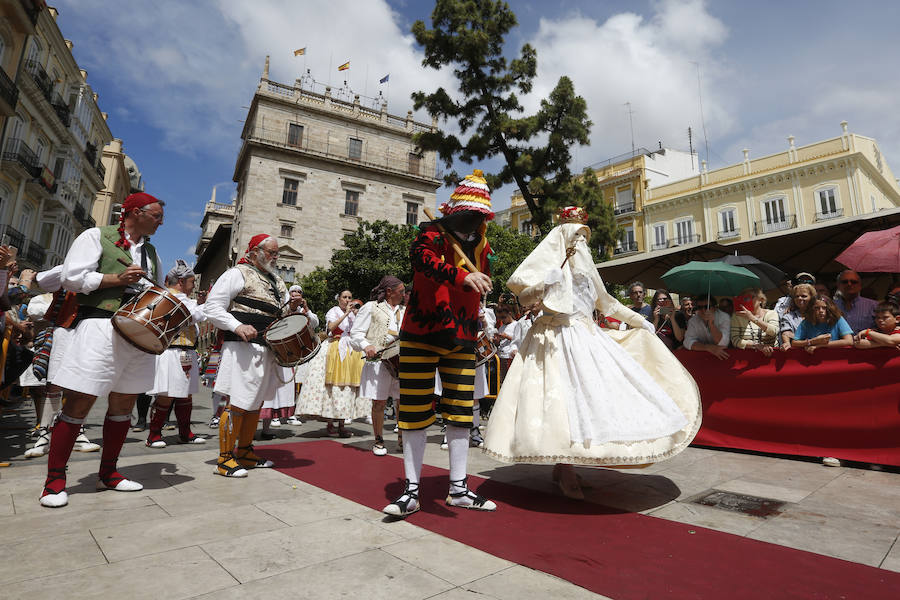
x: 806, y: 316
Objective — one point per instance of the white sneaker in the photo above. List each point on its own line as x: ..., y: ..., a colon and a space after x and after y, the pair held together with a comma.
x: 830, y: 461
x: 41, y: 446
x: 294, y: 421
x: 83, y: 444
x: 396, y: 429
x: 214, y: 423
x: 444, y: 444
x: 350, y: 421
x: 379, y: 449
x: 55, y: 500
x: 275, y: 423
x: 156, y: 444
x: 126, y: 485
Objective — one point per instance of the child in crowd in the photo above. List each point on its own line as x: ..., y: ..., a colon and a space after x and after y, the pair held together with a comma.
x: 887, y: 332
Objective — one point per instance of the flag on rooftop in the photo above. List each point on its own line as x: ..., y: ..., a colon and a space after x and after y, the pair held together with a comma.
x: 344, y: 66
x: 384, y: 79
x: 300, y: 52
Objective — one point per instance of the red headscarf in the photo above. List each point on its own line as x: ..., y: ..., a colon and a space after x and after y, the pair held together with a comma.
x: 137, y: 200
x: 255, y: 241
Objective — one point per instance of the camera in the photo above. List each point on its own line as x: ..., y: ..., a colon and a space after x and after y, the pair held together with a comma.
x: 666, y: 311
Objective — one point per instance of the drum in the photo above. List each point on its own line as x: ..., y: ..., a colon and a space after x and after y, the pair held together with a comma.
x: 151, y: 320
x: 390, y: 358
x: 484, y: 349
x: 291, y: 340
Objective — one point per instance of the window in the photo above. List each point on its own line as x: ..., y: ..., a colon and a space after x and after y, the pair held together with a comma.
x: 39, y: 146
x: 684, y: 232
x: 355, y: 151
x: 295, y: 134
x: 415, y: 163
x: 412, y: 213
x: 351, y: 203
x: 727, y: 226
x: 827, y: 205
x: 2, y: 50
x: 659, y: 237
x: 287, y: 230
x: 624, y: 199
x: 115, y: 214
x: 289, y: 194
x: 58, y: 166
x: 25, y: 219
x: 626, y: 241
x: 46, y: 234
x: 774, y: 218
x: 34, y: 51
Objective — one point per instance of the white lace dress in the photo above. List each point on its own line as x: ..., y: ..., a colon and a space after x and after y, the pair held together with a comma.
x: 574, y: 394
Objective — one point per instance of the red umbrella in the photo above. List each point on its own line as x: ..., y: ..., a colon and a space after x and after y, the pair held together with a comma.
x: 874, y: 252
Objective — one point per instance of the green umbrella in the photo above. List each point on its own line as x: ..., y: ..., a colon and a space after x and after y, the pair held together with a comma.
x: 715, y: 278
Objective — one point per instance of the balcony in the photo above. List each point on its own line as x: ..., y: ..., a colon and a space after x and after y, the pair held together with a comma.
x: 15, y: 238
x: 684, y: 240
x: 775, y: 225
x: 62, y: 110
x: 90, y: 151
x: 18, y: 153
x: 625, y: 248
x: 35, y: 254
x: 82, y: 217
x: 101, y: 171
x: 41, y: 79
x: 834, y: 214
x: 623, y: 209
x: 9, y: 94
x: 724, y: 235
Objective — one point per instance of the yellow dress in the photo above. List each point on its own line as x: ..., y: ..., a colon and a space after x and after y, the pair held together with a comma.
x: 343, y: 365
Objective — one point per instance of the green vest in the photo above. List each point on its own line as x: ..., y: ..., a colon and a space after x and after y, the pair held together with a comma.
x: 110, y: 299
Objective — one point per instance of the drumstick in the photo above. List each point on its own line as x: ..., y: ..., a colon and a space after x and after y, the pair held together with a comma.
x: 453, y: 243
x: 128, y: 264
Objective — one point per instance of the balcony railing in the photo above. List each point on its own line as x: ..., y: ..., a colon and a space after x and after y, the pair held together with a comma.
x: 622, y: 209
x: 79, y: 212
x: 32, y: 9
x: 17, y: 150
x: 35, y: 254
x: 101, y: 171
x: 724, y: 235
x: 82, y: 217
x: 329, y: 148
x: 684, y: 240
x: 625, y: 247
x: 62, y: 109
x: 16, y: 238
x: 771, y: 226
x: 90, y: 151
x: 835, y: 214
x: 660, y: 246
x: 41, y: 79
x: 8, y: 90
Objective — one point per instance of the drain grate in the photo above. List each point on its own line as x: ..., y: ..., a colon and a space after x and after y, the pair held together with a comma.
x: 749, y: 505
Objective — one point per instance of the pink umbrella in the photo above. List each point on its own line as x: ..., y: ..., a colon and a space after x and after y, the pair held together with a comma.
x: 874, y: 252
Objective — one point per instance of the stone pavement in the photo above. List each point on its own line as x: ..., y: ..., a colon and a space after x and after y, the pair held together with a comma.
x: 279, y: 537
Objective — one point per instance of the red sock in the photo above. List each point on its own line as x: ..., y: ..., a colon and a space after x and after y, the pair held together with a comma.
x: 114, y: 433
x: 61, y: 443
x: 183, y: 407
x: 158, y: 416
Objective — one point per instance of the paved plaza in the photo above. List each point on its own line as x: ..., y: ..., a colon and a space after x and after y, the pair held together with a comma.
x: 192, y: 534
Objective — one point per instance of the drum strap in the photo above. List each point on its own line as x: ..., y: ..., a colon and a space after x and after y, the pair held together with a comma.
x: 266, y: 307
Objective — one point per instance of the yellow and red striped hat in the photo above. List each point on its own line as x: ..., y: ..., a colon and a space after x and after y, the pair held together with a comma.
x: 473, y: 194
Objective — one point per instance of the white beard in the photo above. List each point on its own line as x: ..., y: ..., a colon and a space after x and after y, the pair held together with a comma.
x: 266, y: 265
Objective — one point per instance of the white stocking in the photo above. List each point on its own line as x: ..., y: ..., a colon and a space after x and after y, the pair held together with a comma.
x: 476, y: 415
x: 458, y: 442
x: 413, y: 453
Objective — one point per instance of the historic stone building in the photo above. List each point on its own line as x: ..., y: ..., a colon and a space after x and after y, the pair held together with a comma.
x: 50, y: 170
x: 315, y: 162
x: 122, y: 178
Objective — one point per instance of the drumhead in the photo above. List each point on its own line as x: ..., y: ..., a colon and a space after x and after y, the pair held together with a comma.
x: 286, y: 327
x: 137, y: 334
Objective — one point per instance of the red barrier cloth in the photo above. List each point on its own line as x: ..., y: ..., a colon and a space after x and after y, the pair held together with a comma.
x: 840, y: 402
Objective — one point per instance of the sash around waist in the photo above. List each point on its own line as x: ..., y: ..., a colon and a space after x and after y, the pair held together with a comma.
x: 258, y: 321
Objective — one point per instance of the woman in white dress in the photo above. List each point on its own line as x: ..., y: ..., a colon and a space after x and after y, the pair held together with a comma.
x: 572, y: 396
x: 331, y: 385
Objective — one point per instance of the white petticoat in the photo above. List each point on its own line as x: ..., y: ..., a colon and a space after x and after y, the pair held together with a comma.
x: 329, y: 401
x: 376, y: 382
x: 247, y: 374
x: 171, y: 379
x: 62, y: 339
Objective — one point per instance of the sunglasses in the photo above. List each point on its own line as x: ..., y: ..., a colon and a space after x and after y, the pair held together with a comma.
x: 849, y: 281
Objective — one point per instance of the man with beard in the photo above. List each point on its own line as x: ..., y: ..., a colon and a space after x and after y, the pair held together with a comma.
x: 245, y: 300
x: 438, y: 331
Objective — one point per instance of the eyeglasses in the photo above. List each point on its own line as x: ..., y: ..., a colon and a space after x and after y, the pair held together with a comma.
x: 270, y: 252
x: 155, y: 216
x: 849, y: 281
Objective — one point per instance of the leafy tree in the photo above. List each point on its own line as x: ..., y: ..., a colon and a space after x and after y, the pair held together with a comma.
x: 469, y: 36
x: 585, y: 191
x: 510, y: 248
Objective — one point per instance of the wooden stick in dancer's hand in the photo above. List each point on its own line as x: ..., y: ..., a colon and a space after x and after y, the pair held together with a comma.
x: 453, y: 243
x: 128, y: 264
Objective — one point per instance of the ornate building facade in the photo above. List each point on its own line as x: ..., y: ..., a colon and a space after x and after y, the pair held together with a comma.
x: 51, y: 170
x: 315, y: 162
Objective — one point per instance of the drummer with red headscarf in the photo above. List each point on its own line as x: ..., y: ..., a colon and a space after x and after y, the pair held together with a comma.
x: 245, y: 300
x: 106, y: 363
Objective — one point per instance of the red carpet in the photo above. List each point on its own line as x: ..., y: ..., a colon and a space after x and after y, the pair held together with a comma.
x: 620, y: 555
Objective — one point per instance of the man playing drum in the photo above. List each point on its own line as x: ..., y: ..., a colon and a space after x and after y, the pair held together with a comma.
x: 245, y: 300
x: 438, y: 331
x: 177, y: 368
x: 375, y: 327
x: 105, y: 363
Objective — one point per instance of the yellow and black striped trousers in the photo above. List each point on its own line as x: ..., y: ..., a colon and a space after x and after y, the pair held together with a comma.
x: 456, y: 366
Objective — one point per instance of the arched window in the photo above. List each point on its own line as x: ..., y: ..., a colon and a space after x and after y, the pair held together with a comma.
x: 34, y: 51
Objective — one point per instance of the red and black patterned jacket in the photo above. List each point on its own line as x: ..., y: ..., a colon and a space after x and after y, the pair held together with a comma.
x: 439, y: 307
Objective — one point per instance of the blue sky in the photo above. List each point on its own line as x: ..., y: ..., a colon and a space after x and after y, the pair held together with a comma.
x: 176, y: 77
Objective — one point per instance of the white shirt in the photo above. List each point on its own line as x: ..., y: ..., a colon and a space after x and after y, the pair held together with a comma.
x: 506, y: 347
x: 364, y: 320
x: 79, y: 271
x: 697, y: 330
x: 226, y: 288
x: 50, y: 280
x: 313, y: 317
x: 490, y: 322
